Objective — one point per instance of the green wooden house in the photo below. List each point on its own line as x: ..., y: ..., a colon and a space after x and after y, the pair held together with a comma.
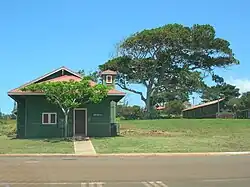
x: 36, y: 117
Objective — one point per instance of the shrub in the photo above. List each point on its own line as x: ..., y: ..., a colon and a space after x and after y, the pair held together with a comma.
x: 8, y: 128
x: 174, y: 107
x: 225, y: 115
x: 155, y: 114
x: 130, y: 112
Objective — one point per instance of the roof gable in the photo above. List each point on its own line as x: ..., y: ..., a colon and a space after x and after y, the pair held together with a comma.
x: 60, y: 74
x: 109, y: 72
x: 48, y: 76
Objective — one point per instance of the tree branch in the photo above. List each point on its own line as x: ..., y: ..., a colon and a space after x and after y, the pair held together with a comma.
x: 133, y: 91
x: 58, y: 102
x: 144, y: 83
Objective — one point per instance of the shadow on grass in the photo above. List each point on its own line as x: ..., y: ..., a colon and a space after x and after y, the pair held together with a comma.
x: 105, y: 137
x: 56, y: 140
x: 51, y: 140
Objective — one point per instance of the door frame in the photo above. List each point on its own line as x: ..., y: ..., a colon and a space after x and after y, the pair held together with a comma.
x: 86, y: 120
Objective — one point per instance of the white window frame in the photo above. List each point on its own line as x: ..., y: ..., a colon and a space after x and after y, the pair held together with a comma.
x: 111, y: 79
x: 49, y: 118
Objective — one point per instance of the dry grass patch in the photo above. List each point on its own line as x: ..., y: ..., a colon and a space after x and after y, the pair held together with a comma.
x: 141, y: 132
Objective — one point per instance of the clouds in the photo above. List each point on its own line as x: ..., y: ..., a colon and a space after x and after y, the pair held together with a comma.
x: 242, y: 84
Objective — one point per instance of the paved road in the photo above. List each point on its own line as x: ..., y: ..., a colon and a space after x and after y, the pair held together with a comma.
x: 195, y: 171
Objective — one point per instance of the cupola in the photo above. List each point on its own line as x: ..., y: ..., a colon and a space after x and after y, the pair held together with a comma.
x: 108, y: 77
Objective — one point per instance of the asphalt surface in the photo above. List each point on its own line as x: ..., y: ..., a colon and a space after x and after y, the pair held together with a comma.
x: 113, y: 171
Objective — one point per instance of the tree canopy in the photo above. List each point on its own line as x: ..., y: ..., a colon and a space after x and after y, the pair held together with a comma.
x: 161, y: 98
x: 174, y: 107
x: 70, y: 94
x: 225, y: 90
x: 94, y: 75
x: 245, y: 100
x: 171, y: 58
x: 237, y: 104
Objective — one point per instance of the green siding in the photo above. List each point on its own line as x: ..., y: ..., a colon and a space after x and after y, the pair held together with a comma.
x: 112, y: 111
x: 36, y: 105
x: 30, y: 112
x: 99, y: 125
x: 21, y: 118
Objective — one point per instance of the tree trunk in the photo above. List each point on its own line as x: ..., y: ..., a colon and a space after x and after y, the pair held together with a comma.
x: 66, y: 125
x: 148, y: 104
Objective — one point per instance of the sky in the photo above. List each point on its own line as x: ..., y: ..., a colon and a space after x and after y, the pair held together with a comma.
x: 39, y: 36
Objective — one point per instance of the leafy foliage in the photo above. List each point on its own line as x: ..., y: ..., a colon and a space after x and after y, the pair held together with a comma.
x: 71, y: 94
x: 94, y: 76
x: 174, y: 107
x: 240, y: 105
x: 171, y: 58
x: 7, y: 116
x: 8, y: 127
x: 130, y: 112
x: 234, y: 104
x: 220, y: 90
x: 245, y: 100
x: 165, y: 97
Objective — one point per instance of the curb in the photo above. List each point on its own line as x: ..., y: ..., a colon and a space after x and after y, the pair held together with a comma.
x: 129, y: 154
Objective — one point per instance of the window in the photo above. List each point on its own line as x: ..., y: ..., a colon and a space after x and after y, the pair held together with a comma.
x: 49, y: 118
x: 108, y: 79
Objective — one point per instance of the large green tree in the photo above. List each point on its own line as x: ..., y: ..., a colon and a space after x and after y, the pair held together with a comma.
x: 70, y: 94
x: 169, y: 58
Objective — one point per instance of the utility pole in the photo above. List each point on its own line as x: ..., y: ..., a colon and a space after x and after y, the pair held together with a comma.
x: 218, y: 105
x: 193, y: 100
x: 220, y: 96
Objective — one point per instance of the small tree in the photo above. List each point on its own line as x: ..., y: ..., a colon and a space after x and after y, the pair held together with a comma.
x: 234, y: 104
x: 69, y: 95
x: 245, y: 100
x: 130, y: 112
x: 174, y: 107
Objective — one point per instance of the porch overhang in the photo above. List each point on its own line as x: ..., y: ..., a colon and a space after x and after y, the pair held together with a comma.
x: 116, y: 97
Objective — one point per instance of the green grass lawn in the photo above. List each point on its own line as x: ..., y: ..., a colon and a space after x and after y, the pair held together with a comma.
x: 145, y: 136
x: 9, y: 144
x: 178, y: 135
